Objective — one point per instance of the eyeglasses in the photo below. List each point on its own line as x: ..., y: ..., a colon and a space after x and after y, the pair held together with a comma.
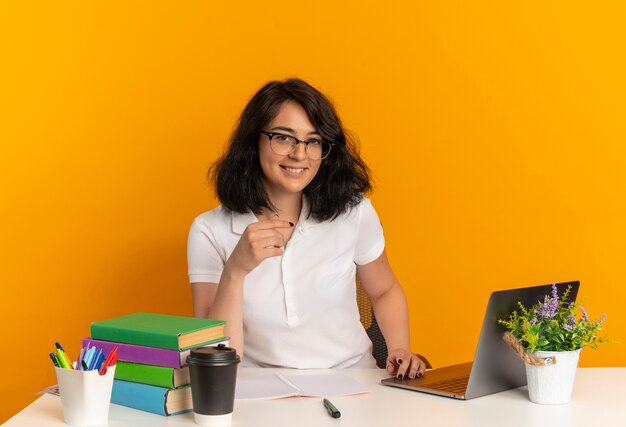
x: 315, y: 148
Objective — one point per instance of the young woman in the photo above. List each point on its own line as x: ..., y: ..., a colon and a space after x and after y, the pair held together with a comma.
x: 277, y: 259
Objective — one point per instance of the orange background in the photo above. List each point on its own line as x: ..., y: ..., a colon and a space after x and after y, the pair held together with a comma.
x: 495, y: 130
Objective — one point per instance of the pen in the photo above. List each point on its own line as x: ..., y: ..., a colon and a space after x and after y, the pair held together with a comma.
x: 332, y: 411
x: 54, y: 360
x: 88, y: 357
x: 99, y: 361
x: 82, y: 359
x: 79, y: 364
x: 110, y: 361
x: 94, y: 364
x: 94, y: 353
x: 63, y: 360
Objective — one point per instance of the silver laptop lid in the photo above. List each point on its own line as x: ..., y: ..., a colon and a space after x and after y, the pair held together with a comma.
x: 496, y: 367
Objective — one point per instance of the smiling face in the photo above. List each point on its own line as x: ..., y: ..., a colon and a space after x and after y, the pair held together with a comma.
x: 290, y: 173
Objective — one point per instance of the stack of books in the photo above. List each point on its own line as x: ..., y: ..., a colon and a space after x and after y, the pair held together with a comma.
x: 152, y: 372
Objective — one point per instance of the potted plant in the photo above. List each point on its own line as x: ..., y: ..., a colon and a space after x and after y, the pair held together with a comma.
x: 548, y: 337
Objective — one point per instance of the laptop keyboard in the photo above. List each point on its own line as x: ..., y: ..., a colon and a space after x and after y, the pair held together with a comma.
x: 452, y: 385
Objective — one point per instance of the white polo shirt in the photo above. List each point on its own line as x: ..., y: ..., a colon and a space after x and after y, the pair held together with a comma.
x: 300, y: 308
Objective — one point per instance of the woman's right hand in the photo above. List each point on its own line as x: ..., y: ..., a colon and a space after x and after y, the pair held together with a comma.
x: 259, y: 241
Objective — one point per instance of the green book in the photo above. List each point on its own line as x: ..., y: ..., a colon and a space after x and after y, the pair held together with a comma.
x: 160, y: 376
x: 159, y: 330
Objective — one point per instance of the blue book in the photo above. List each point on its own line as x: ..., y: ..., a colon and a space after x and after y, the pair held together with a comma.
x: 150, y: 398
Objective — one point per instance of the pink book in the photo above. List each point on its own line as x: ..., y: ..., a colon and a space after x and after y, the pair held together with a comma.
x: 147, y: 355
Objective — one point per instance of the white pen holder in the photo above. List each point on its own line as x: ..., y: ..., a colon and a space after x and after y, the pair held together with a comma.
x: 85, y: 395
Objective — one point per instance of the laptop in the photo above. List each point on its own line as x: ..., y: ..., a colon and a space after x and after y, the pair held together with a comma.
x: 495, y: 367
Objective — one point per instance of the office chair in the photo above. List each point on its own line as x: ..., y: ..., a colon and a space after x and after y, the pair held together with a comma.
x: 368, y: 319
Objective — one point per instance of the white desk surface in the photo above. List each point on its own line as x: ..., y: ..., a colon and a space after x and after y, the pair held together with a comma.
x: 599, y: 399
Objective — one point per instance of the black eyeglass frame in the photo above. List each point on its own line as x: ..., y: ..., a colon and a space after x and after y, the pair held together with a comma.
x: 271, y: 135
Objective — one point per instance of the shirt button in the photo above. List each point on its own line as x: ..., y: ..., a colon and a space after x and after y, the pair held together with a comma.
x: 301, y: 229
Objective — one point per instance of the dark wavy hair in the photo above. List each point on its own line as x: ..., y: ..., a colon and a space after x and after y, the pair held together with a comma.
x: 341, y: 180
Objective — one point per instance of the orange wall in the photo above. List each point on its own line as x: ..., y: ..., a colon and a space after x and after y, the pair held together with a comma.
x: 495, y: 130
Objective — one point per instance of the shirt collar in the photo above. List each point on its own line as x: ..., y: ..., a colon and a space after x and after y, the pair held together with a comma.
x: 240, y: 221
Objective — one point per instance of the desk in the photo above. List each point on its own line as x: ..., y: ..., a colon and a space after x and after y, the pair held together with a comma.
x: 599, y: 399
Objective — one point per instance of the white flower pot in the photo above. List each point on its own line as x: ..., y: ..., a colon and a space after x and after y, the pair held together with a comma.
x: 552, y: 384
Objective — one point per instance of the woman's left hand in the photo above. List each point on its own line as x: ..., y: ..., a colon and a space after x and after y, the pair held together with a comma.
x: 402, y: 363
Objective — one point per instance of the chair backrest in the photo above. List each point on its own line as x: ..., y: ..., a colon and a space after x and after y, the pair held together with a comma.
x: 368, y: 319
x: 379, y: 346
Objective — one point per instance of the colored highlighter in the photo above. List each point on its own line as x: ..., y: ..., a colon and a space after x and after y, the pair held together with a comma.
x: 110, y: 361
x: 88, y: 357
x: 95, y: 360
x: 63, y: 360
x: 81, y: 354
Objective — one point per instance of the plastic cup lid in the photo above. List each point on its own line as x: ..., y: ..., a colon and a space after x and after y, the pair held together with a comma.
x: 221, y: 353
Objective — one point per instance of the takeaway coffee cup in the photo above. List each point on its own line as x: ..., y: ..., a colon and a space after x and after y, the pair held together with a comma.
x: 213, y: 374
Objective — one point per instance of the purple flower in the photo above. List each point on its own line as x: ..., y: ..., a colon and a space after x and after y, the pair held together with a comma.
x: 533, y: 321
x: 584, y: 312
x: 555, y: 294
x: 571, y: 322
x: 602, y: 319
x: 548, y: 308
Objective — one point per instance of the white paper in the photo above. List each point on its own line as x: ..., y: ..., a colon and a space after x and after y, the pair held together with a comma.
x: 272, y: 386
x: 262, y: 387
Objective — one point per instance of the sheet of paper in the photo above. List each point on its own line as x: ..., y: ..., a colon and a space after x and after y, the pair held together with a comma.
x: 271, y: 386
x: 324, y: 385
x: 262, y: 387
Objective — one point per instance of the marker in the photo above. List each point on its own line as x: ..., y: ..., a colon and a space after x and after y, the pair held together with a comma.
x: 88, y: 357
x: 99, y: 361
x: 95, y: 360
x: 110, y: 361
x: 332, y: 411
x: 54, y: 360
x: 63, y: 360
x: 81, y: 354
x: 113, y: 353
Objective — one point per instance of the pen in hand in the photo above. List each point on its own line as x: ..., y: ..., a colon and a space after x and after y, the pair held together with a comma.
x: 332, y: 410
